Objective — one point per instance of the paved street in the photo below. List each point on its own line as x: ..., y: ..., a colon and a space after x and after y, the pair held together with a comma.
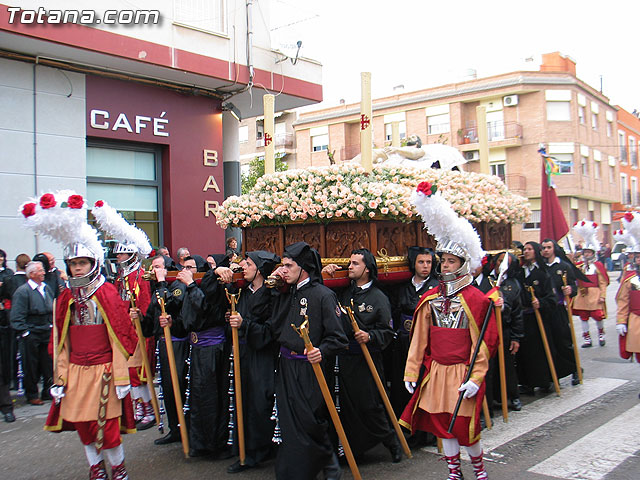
x: 589, y: 432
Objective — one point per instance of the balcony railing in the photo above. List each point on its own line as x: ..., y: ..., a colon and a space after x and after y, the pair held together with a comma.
x: 496, y: 131
x: 282, y: 140
x: 623, y: 154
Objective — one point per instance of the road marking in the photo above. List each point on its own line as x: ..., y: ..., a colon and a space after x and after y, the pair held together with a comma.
x: 593, y: 457
x: 542, y: 411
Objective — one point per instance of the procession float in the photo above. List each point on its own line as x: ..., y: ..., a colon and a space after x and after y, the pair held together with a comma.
x: 364, y: 203
x: 342, y: 207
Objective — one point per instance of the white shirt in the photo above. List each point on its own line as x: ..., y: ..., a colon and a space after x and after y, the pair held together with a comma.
x: 555, y: 260
x: 418, y: 285
x: 302, y: 283
x: 366, y: 285
x: 529, y: 268
x: 40, y: 288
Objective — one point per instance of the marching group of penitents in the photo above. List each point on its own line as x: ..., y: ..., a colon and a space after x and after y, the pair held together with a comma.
x: 433, y: 341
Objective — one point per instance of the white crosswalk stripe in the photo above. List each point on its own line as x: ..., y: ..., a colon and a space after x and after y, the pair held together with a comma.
x: 595, y: 455
x: 545, y: 410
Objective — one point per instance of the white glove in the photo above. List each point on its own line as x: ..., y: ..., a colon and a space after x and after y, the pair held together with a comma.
x: 470, y: 389
x: 57, y: 392
x: 410, y: 386
x: 122, y: 391
x: 622, y: 329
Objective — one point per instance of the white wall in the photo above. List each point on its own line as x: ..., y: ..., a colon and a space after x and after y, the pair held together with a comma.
x: 60, y: 146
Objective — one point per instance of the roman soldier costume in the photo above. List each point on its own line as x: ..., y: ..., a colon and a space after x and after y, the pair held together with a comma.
x: 91, y: 341
x: 592, y: 294
x: 445, y: 332
x: 130, y: 284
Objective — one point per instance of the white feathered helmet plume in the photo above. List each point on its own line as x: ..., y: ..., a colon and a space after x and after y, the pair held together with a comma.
x: 453, y: 234
x: 631, y: 224
x: 133, y: 239
x: 62, y: 217
x: 588, y: 231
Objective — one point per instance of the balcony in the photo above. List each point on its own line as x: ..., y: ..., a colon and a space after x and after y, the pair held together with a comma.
x: 500, y: 134
x: 282, y: 140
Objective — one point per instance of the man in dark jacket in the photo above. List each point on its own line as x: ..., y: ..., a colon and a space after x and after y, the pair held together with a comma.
x: 31, y: 318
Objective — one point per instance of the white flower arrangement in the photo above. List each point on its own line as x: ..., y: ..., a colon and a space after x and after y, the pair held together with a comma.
x: 344, y: 191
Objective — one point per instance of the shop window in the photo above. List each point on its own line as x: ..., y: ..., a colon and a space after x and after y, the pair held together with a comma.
x: 128, y: 178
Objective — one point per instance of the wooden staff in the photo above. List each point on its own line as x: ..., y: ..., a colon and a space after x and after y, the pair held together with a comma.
x: 487, y: 415
x: 303, y: 331
x: 174, y: 380
x: 145, y: 358
x: 485, y: 324
x: 233, y: 300
x: 376, y: 378
x: 576, y: 354
x: 545, y: 342
x: 502, y: 368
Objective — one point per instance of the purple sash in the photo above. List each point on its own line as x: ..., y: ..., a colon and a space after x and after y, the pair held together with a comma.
x: 286, y: 353
x: 208, y: 337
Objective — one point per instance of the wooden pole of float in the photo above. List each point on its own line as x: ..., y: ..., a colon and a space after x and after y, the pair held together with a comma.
x: 483, y: 139
x: 366, y: 145
x: 269, y: 132
x: 395, y: 134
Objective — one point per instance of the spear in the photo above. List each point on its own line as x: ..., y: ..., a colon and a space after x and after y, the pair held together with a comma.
x: 174, y: 379
x: 376, y: 378
x: 303, y: 331
x: 145, y: 359
x: 567, y: 301
x: 545, y: 343
x: 233, y: 300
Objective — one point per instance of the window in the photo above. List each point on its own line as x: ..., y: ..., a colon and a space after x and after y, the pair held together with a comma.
x: 573, y: 213
x: 596, y: 170
x: 438, y: 124
x: 624, y: 189
x: 634, y: 191
x: 558, y: 105
x: 128, y: 178
x: 319, y: 139
x: 534, y: 221
x: 584, y: 162
x: 243, y: 134
x: 565, y: 162
x: 633, y: 152
x: 204, y: 15
x: 581, y: 114
x: 595, y: 109
x: 259, y: 129
x: 438, y: 119
x: 495, y: 125
x: 388, y: 130
x: 612, y: 174
x: 609, y: 129
x: 498, y: 169
x: 623, y: 148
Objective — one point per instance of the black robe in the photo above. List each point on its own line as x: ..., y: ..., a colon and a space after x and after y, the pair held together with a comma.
x: 531, y: 360
x: 173, y: 295
x: 303, y: 418
x: 564, y: 358
x: 204, y: 308
x: 512, y: 329
x: 404, y: 300
x: 258, y: 355
x: 362, y: 410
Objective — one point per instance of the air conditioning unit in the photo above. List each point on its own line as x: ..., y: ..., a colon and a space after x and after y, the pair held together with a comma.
x: 510, y: 100
x: 472, y: 155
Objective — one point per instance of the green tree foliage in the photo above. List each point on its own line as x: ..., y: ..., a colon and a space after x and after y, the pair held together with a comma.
x: 256, y: 170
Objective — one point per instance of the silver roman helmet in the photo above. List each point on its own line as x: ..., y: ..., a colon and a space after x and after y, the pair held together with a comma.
x: 62, y: 217
x: 130, y: 238
x: 453, y: 234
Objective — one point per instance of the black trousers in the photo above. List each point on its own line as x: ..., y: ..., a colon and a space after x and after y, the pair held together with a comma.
x: 511, y: 376
x: 8, y: 355
x: 36, y: 364
x: 6, y: 405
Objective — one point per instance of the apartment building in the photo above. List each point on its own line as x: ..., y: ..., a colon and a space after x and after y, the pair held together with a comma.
x: 628, y: 136
x: 524, y: 108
